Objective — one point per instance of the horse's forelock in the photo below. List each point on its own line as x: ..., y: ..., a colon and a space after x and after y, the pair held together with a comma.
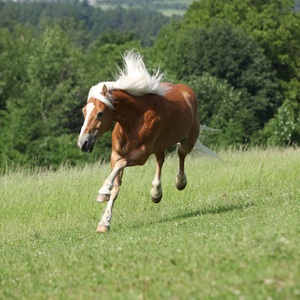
x: 96, y: 92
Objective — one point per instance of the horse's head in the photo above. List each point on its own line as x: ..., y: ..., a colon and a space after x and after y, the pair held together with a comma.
x: 98, y: 119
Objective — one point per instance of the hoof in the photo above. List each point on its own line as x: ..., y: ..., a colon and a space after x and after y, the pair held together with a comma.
x: 102, y: 198
x: 156, y: 200
x: 180, y: 187
x: 181, y: 184
x: 102, y: 228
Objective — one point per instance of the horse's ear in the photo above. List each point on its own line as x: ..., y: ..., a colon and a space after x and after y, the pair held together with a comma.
x: 104, y: 90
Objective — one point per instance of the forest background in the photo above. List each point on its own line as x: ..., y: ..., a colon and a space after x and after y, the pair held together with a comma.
x: 242, y: 58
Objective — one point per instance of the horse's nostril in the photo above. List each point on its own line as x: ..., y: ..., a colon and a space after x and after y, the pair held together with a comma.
x: 84, y: 146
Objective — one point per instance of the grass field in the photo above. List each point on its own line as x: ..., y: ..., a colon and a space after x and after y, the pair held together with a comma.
x: 233, y: 233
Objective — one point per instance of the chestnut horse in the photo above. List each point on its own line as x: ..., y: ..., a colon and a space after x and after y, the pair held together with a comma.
x: 150, y: 117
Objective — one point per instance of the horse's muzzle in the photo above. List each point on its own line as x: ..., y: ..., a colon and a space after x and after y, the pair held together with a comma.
x: 86, y: 143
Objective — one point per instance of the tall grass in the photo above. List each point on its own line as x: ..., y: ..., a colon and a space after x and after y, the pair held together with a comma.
x: 233, y: 233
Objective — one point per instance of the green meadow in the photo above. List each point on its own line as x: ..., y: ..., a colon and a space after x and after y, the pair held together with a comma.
x: 233, y: 233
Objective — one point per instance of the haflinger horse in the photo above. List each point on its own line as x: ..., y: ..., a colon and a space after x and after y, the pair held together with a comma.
x: 150, y: 117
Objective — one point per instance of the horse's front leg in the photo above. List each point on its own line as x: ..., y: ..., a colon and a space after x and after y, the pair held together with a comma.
x: 104, y: 224
x: 156, y: 191
x: 104, y: 193
x: 110, y: 188
x: 111, y: 192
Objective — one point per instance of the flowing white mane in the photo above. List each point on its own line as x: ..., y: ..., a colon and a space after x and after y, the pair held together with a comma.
x: 133, y: 78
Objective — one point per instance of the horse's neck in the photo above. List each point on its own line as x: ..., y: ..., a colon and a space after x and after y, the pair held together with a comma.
x: 128, y: 110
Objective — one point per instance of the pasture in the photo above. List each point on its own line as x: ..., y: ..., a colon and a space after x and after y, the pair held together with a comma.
x: 233, y: 233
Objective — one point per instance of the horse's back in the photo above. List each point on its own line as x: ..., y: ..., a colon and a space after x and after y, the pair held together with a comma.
x: 183, y: 103
x: 183, y: 95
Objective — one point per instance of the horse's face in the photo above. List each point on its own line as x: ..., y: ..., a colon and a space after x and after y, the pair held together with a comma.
x: 98, y: 119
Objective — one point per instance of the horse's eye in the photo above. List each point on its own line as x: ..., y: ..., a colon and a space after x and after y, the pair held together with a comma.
x: 99, y: 114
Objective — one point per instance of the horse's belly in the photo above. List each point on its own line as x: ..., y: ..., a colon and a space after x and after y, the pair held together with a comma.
x: 167, y: 139
x: 174, y: 129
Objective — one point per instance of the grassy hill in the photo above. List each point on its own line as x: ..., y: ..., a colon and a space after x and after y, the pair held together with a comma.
x: 233, y: 233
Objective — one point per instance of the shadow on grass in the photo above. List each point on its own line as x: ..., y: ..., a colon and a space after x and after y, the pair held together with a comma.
x: 200, y: 212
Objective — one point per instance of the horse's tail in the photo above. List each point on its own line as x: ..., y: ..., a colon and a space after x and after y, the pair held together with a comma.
x: 200, y: 149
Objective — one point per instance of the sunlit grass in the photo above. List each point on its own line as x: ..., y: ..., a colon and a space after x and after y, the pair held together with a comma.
x: 233, y: 233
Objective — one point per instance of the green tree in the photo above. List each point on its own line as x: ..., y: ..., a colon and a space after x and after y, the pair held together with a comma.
x: 115, y: 38
x: 230, y: 54
x: 42, y: 104
x: 276, y: 28
x: 76, y: 30
x: 221, y: 106
x: 14, y: 49
x: 271, y: 22
x: 83, y: 22
x: 283, y: 129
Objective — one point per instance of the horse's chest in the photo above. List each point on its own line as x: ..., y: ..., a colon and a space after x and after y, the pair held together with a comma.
x: 143, y: 134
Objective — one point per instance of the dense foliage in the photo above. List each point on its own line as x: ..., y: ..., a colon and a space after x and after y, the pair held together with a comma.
x: 276, y: 29
x: 242, y: 61
x: 227, y: 53
x: 83, y: 23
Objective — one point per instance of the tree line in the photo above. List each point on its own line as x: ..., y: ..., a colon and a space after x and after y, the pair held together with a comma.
x: 150, y: 4
x: 84, y: 24
x: 241, y: 58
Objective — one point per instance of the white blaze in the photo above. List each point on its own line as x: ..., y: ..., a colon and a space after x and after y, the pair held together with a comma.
x: 89, y: 109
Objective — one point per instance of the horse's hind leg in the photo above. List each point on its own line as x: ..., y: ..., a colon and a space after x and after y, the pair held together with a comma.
x: 181, y: 180
x: 156, y: 191
x: 184, y: 148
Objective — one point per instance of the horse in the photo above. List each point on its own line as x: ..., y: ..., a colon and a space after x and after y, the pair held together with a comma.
x: 150, y: 116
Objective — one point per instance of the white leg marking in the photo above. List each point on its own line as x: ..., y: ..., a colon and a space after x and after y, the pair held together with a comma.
x: 106, y: 188
x: 105, y: 221
x: 106, y: 218
x: 109, y: 182
x: 156, y: 190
